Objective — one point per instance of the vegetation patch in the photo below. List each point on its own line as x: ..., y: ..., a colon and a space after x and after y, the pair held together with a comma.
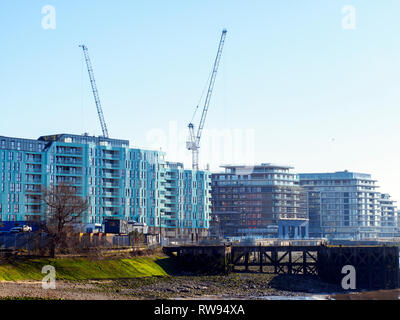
x: 87, y: 269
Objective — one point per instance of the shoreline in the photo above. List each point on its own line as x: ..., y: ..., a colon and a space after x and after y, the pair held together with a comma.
x: 156, y: 277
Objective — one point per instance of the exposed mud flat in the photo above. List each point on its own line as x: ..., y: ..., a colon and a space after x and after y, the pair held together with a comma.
x: 234, y: 286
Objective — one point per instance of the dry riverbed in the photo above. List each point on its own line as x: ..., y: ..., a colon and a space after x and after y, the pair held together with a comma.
x: 233, y: 286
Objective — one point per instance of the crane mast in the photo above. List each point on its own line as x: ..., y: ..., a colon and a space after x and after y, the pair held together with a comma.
x: 194, y: 143
x: 95, y: 92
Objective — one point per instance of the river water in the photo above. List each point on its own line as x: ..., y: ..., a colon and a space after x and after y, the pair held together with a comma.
x: 367, y: 295
x: 370, y: 295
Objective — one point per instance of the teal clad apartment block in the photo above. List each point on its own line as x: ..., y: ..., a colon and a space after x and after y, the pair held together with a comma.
x: 187, y: 200
x: 120, y: 183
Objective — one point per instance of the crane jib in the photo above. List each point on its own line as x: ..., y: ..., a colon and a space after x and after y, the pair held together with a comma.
x: 194, y: 144
x: 95, y: 92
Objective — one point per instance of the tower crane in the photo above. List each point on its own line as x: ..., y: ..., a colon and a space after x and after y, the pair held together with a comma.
x: 95, y: 92
x: 194, y: 143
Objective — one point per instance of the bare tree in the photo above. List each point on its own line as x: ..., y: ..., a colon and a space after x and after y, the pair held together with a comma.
x: 63, y: 208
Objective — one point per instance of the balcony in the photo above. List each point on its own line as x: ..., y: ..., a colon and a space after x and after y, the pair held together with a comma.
x: 33, y: 169
x: 111, y: 176
x: 69, y: 163
x: 111, y: 211
x: 110, y: 194
x: 110, y: 185
x: 111, y: 155
x: 69, y: 151
x: 33, y: 211
x: 60, y: 160
x: 115, y: 165
x: 34, y: 159
x: 34, y: 180
x: 171, y: 201
x: 73, y: 181
x: 69, y: 172
x: 30, y: 189
x: 111, y: 204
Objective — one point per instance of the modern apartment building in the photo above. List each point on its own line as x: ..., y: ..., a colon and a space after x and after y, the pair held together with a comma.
x: 187, y: 202
x: 389, y: 217
x: 120, y: 182
x: 261, y: 201
x: 348, y: 205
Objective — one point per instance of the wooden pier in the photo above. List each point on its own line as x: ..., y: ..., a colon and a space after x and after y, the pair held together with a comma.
x: 276, y: 259
x: 377, y: 267
x: 211, y: 258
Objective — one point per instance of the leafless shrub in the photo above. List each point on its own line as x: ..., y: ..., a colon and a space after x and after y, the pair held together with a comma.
x: 63, y: 209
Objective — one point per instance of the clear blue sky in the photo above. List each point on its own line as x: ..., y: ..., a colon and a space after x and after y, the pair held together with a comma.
x: 316, y: 96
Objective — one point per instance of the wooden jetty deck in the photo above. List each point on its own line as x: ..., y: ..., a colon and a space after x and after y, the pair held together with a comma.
x: 282, y: 259
x: 377, y: 266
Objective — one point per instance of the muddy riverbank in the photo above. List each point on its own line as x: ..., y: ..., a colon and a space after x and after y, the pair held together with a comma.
x: 233, y: 286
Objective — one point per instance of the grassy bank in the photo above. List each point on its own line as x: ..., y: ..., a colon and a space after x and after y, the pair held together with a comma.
x: 86, y: 269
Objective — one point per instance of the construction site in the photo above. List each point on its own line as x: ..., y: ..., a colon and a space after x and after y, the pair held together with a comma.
x: 124, y: 186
